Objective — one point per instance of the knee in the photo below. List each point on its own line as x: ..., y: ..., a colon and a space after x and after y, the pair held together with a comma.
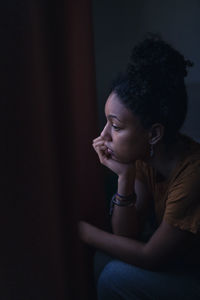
x: 107, y: 283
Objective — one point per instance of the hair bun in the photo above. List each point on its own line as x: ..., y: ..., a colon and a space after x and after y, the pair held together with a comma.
x: 188, y: 64
x: 154, y: 57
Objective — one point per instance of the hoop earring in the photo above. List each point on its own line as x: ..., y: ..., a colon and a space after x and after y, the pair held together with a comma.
x: 151, y: 150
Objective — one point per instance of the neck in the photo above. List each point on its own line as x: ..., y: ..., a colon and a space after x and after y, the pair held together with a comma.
x: 165, y: 159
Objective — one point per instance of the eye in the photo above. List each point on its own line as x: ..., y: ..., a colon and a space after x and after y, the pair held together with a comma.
x: 116, y: 128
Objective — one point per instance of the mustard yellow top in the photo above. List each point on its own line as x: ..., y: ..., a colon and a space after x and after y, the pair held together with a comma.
x: 177, y: 200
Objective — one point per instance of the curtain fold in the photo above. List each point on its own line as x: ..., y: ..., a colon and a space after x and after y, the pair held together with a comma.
x: 51, y: 177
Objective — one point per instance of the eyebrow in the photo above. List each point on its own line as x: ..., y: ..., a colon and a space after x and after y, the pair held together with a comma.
x: 114, y: 117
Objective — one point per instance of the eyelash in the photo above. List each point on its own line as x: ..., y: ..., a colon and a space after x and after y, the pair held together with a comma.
x: 116, y: 128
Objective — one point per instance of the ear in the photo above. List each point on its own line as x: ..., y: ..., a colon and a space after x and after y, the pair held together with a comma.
x: 156, y: 133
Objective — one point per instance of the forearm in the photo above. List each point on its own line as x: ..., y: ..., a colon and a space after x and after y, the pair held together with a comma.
x: 123, y: 248
x: 125, y: 219
x: 165, y: 245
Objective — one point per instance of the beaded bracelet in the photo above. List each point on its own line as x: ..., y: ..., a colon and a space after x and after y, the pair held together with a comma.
x: 122, y: 203
x: 127, y: 202
x: 129, y: 197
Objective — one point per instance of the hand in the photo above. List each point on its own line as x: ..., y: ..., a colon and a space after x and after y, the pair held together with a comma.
x: 119, y: 168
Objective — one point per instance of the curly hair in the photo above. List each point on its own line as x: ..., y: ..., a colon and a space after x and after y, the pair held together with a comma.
x: 153, y: 85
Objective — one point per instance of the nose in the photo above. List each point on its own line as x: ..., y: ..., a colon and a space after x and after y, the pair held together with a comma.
x: 105, y: 134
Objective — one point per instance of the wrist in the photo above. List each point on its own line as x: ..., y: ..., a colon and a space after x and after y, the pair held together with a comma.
x: 125, y: 185
x: 122, y: 201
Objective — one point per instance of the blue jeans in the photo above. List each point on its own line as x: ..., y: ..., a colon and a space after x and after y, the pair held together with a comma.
x: 118, y: 280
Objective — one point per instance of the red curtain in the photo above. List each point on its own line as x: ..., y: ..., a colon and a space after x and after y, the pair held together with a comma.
x: 51, y: 177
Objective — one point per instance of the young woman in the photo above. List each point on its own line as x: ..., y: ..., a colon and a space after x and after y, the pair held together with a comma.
x: 157, y: 168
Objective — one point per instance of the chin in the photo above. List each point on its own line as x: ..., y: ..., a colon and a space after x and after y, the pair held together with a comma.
x: 126, y: 161
x: 116, y: 159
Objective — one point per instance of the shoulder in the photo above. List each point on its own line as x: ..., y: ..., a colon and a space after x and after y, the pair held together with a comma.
x: 187, y: 172
x: 183, y: 200
x: 188, y: 166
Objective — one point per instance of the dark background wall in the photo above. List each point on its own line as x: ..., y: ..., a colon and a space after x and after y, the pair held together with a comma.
x: 120, y: 24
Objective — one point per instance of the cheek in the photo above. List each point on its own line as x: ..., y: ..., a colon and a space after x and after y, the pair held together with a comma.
x: 131, y: 147
x: 124, y: 145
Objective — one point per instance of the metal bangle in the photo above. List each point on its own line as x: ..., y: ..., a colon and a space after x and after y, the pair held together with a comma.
x: 121, y: 203
x: 129, y: 197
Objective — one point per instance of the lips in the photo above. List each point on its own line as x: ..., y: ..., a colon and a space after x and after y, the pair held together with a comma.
x: 111, y: 154
x: 110, y: 151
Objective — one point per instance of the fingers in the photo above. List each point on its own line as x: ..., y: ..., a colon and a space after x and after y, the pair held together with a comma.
x: 102, y: 152
x: 98, y: 142
x: 101, y: 149
x: 98, y: 139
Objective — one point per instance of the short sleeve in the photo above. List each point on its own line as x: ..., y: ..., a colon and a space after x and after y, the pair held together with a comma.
x: 183, y: 202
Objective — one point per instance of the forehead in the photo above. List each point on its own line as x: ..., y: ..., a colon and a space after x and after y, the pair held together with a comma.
x: 115, y: 107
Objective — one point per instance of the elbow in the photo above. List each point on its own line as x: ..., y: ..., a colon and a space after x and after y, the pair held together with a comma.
x: 152, y: 262
x: 150, y: 265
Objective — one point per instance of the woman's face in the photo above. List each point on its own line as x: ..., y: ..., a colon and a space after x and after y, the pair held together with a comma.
x: 124, y: 135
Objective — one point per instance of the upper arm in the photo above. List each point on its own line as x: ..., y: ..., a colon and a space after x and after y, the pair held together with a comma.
x: 167, y: 241
x: 166, y: 244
